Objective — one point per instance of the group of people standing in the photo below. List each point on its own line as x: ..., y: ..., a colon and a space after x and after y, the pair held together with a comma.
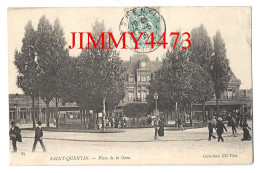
x: 15, y: 135
x: 219, y: 126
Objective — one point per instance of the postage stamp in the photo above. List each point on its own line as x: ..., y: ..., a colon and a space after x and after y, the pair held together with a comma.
x: 112, y: 86
x: 146, y: 20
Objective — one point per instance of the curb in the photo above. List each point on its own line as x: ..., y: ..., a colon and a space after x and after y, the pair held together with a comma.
x: 152, y: 140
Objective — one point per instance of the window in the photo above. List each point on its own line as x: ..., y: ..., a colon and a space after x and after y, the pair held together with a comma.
x: 143, y: 95
x: 143, y: 64
x: 234, y: 94
x: 138, y: 78
x: 152, y: 76
x: 22, y: 115
x: 11, y: 115
x: 127, y: 76
x: 131, y: 95
x: 143, y: 78
x: 52, y: 113
x: 130, y: 78
x: 138, y: 94
x: 230, y: 93
x: 148, y: 77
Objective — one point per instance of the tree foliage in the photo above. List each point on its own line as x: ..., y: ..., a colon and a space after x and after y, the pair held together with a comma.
x: 201, y: 48
x: 27, y: 66
x: 180, y: 80
x: 136, y: 109
x: 51, y: 52
x: 219, y: 67
x: 104, y: 70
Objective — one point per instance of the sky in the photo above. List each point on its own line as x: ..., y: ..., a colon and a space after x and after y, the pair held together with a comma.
x: 234, y: 24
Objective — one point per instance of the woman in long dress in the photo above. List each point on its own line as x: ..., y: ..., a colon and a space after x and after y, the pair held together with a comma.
x: 246, y: 134
x: 161, y: 128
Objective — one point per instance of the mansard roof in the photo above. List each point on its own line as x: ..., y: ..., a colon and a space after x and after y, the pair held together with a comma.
x: 132, y: 65
x: 233, y: 79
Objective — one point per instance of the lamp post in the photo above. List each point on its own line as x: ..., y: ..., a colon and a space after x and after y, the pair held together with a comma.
x: 155, y: 96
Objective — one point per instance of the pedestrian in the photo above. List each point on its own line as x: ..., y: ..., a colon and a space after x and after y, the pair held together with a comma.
x: 38, y: 137
x: 15, y: 135
x: 180, y: 126
x: 237, y: 119
x: 246, y: 134
x: 220, y: 129
x: 112, y: 122
x: 233, y: 125
x: 116, y: 123
x: 214, y: 122
x: 161, y: 127
x: 99, y: 123
x: 125, y: 122
x: 149, y: 121
x: 211, y: 127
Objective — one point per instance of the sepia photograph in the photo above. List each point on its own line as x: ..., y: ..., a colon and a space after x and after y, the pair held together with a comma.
x: 130, y: 86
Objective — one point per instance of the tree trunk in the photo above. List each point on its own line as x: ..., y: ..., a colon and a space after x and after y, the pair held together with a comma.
x: 32, y: 112
x: 81, y: 117
x: 47, y: 114
x: 84, y: 117
x: 87, y: 119
x: 167, y: 120
x: 104, y: 113
x: 203, y: 111
x: 57, y: 118
x: 191, y: 123
x: 38, y: 109
x: 176, y: 110
x: 217, y: 105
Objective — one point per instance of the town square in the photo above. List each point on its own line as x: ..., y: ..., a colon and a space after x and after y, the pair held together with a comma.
x: 185, y: 100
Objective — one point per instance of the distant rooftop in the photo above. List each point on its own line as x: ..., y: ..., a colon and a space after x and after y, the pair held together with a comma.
x: 132, y: 65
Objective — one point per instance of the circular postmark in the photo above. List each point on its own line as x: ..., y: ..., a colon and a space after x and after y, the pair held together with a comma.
x: 146, y: 22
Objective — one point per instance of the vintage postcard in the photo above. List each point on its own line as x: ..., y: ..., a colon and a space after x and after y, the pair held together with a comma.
x: 130, y: 86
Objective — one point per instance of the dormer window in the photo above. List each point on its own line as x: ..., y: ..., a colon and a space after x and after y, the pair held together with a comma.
x: 143, y: 63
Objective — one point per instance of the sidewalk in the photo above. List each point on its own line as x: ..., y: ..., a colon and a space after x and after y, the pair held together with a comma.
x: 131, y: 135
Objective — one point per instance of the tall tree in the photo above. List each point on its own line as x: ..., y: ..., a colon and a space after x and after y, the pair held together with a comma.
x: 46, y: 57
x: 173, y: 80
x: 201, y: 48
x: 219, y: 68
x: 27, y: 66
x: 105, y: 69
x: 200, y: 52
x: 61, y: 55
x: 180, y: 81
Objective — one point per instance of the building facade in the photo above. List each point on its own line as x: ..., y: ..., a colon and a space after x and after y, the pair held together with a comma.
x: 139, y: 70
x: 20, y: 109
x: 233, y: 99
x: 138, y: 73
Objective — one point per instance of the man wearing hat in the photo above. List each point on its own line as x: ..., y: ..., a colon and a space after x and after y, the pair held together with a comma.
x: 220, y: 129
x: 211, y: 127
x: 38, y: 137
x: 15, y: 135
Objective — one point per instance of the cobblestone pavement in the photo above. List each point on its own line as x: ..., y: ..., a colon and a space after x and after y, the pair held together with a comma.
x: 133, y: 146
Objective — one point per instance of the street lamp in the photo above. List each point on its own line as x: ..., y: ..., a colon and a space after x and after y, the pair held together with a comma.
x: 155, y: 96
